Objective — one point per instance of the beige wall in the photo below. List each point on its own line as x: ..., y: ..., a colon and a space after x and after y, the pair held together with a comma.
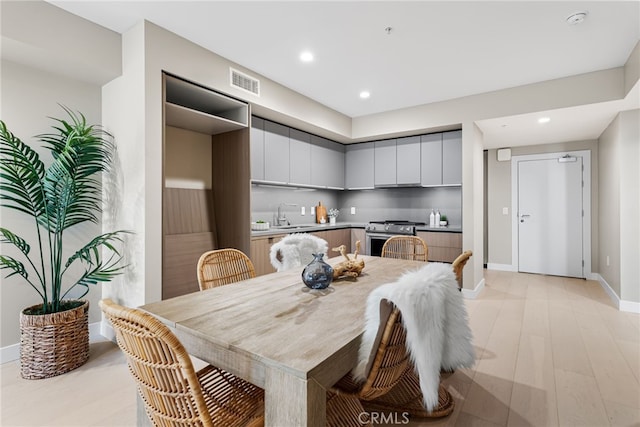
x: 188, y: 159
x: 619, y: 202
x: 609, y: 205
x: 499, y: 196
x: 630, y: 206
x: 27, y: 98
x: 43, y: 36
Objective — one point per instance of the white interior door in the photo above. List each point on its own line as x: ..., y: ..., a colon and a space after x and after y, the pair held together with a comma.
x: 550, y: 216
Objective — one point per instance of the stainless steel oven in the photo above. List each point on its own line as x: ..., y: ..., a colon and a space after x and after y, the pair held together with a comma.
x: 377, y: 233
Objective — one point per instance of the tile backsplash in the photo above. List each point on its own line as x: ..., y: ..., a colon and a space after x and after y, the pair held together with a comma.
x: 412, y: 204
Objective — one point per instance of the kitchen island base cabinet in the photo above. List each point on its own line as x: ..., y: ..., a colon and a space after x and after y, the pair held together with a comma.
x: 443, y: 246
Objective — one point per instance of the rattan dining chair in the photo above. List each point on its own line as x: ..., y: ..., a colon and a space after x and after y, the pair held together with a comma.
x: 392, y: 383
x: 405, y: 247
x: 458, y: 265
x: 174, y: 394
x: 223, y: 266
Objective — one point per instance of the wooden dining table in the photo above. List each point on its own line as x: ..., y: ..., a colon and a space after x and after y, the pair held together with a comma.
x: 278, y: 334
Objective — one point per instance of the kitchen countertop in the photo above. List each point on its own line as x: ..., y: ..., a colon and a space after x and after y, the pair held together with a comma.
x: 304, y: 228
x: 446, y: 229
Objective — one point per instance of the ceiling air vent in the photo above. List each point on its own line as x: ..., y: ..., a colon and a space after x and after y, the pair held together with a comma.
x: 244, y: 82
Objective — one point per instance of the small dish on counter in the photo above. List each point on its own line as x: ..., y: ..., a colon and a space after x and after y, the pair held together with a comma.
x: 259, y: 226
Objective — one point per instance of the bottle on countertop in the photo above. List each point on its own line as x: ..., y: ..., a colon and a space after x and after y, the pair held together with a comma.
x: 432, y: 219
x: 437, y: 219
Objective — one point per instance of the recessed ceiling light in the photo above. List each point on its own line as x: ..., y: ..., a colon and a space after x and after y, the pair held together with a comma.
x: 577, y: 17
x: 306, y: 56
x: 364, y: 94
x: 544, y: 120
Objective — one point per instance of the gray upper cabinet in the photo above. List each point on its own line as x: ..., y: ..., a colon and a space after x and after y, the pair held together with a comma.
x: 257, y: 148
x: 359, y: 166
x: 408, y: 160
x: 276, y: 152
x: 288, y: 156
x: 327, y: 163
x: 299, y: 157
x: 431, y: 159
x: 452, y: 158
x: 385, y: 163
x: 283, y: 155
x: 336, y: 169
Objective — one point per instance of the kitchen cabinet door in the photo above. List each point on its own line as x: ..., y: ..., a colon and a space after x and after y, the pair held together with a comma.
x: 327, y: 163
x: 385, y: 162
x: 443, y: 246
x: 359, y: 166
x: 408, y: 160
x: 431, y: 159
x: 276, y: 152
x: 257, y: 148
x: 334, y: 238
x: 358, y: 234
x: 299, y: 157
x: 335, y: 167
x: 260, y: 253
x: 452, y: 158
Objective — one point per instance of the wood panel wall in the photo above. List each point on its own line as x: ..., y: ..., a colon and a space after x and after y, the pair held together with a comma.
x: 232, y: 189
x: 189, y: 231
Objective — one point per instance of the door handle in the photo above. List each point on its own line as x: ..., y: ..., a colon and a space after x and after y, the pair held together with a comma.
x: 523, y: 216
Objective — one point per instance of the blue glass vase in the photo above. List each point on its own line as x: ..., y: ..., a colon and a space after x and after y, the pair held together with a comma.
x: 318, y: 274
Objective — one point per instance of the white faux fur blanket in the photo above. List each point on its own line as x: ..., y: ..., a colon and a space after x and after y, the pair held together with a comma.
x: 435, y: 318
x: 296, y: 250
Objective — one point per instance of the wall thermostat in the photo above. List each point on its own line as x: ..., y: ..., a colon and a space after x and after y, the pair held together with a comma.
x: 504, y: 154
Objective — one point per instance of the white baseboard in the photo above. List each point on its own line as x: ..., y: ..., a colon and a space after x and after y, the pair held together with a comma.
x: 11, y: 353
x: 630, y: 306
x: 473, y: 293
x: 501, y: 267
x: 106, y: 330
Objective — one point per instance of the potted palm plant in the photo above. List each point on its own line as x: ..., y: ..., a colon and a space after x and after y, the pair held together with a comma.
x: 54, y: 334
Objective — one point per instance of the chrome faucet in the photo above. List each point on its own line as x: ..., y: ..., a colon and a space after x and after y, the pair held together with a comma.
x: 282, y: 217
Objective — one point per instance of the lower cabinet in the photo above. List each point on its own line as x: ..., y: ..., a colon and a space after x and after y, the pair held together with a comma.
x: 443, y: 246
x: 260, y: 248
x: 334, y: 239
x: 358, y: 234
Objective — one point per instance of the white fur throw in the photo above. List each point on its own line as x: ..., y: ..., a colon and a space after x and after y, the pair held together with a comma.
x: 435, y: 318
x: 296, y: 250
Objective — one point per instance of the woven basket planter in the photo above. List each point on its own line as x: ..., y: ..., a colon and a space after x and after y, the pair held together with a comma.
x: 52, y: 344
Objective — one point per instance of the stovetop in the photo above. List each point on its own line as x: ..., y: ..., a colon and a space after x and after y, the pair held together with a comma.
x: 399, y: 222
x: 393, y: 227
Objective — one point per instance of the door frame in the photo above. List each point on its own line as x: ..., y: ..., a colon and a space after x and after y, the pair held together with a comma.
x: 586, y: 204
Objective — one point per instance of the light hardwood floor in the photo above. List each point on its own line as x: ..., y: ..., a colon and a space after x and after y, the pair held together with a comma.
x: 551, y: 352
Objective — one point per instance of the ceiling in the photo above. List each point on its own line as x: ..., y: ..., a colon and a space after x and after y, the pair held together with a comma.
x: 406, y: 53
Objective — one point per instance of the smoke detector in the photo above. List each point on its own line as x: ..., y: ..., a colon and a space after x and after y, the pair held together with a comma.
x: 576, y: 17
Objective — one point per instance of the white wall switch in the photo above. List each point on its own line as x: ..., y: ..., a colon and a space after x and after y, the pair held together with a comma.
x: 505, y: 211
x: 353, y: 210
x: 313, y: 210
x: 302, y: 210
